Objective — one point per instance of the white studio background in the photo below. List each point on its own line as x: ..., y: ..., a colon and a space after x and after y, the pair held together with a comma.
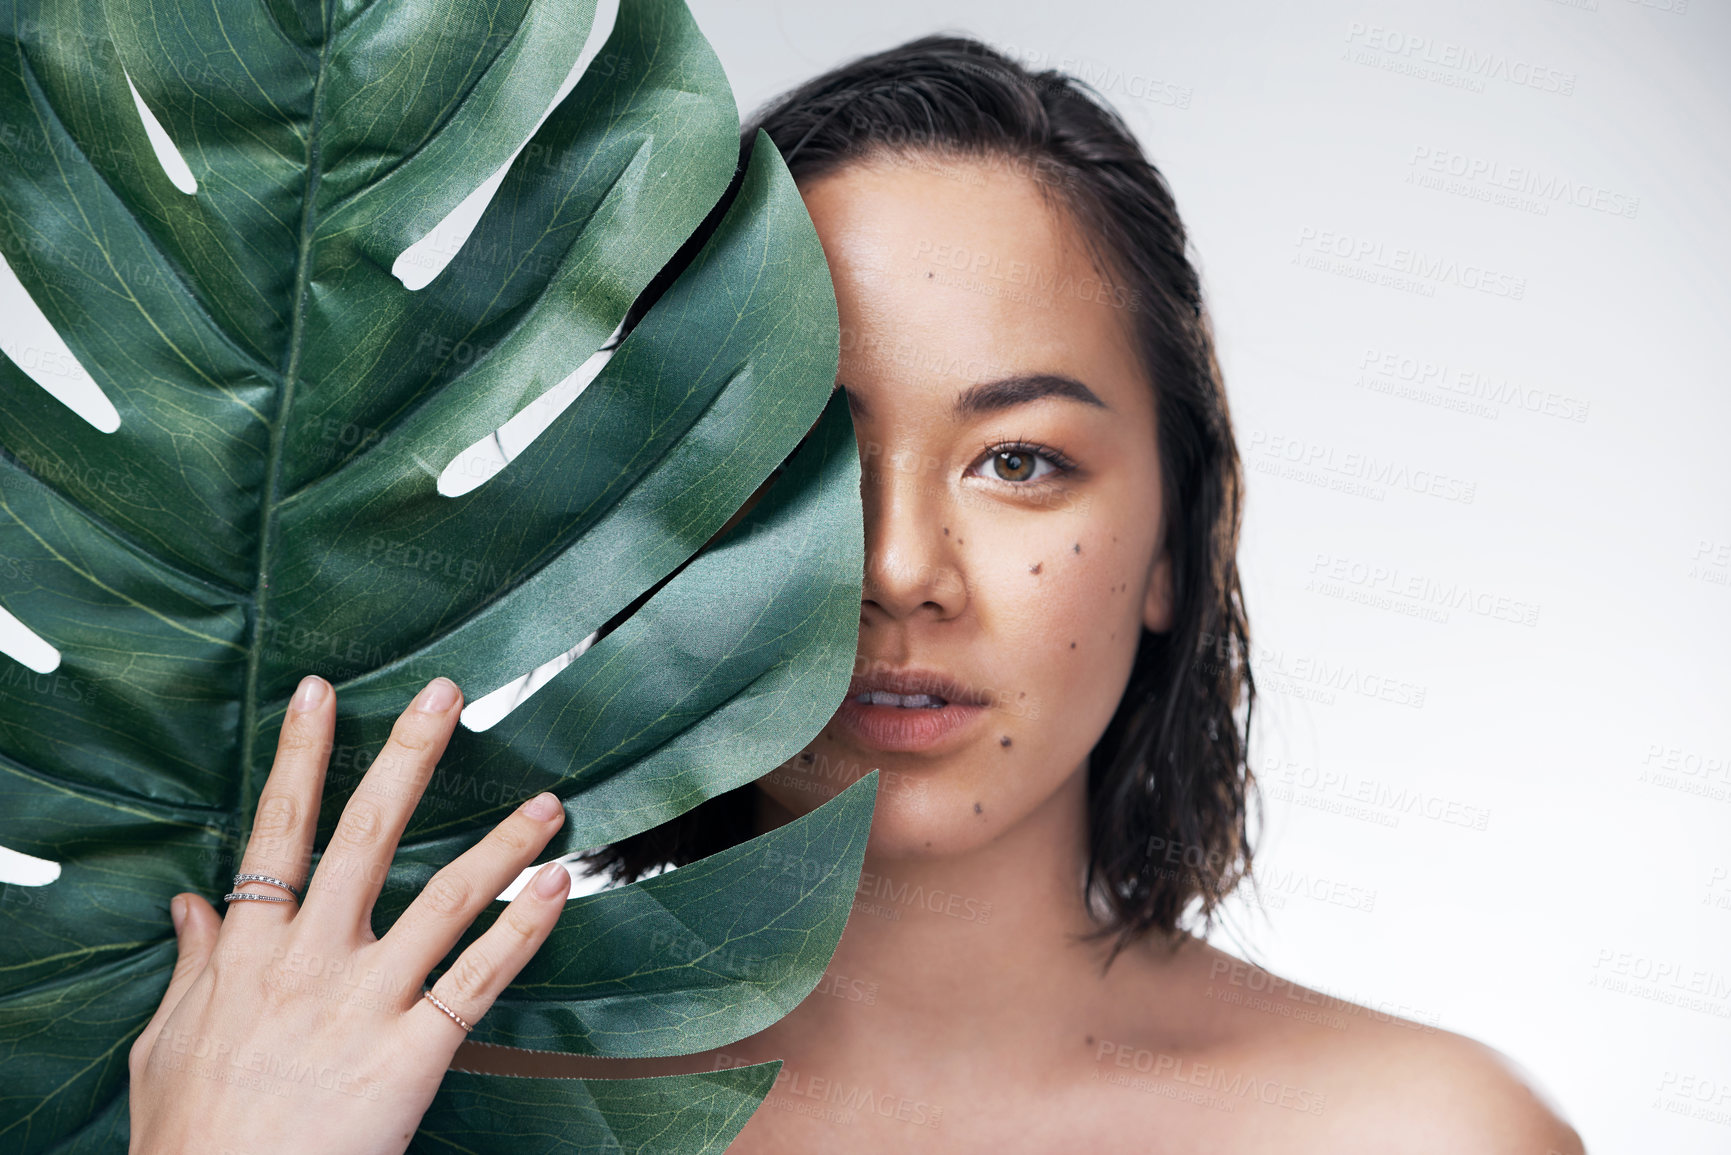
x: 1495, y: 743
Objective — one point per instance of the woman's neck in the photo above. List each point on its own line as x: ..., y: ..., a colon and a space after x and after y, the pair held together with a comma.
x: 935, y: 942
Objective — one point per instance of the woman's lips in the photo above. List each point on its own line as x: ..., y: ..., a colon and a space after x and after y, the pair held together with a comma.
x: 903, y: 727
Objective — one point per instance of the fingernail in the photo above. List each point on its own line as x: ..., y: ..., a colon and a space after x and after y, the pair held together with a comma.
x: 176, y: 912
x: 542, y: 807
x: 310, y: 693
x: 439, y: 696
x: 554, y: 879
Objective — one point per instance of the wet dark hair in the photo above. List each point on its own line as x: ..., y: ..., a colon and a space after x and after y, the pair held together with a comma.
x: 1169, y: 783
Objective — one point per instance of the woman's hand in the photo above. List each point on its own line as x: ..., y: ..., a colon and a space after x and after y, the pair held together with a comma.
x: 292, y: 1028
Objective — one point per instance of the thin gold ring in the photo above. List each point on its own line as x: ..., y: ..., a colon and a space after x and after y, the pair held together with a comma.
x: 455, y: 1017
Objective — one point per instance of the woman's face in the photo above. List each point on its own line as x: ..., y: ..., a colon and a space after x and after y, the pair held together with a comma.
x: 972, y: 319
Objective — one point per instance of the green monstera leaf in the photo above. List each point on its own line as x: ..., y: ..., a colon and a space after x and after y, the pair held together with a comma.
x: 267, y: 502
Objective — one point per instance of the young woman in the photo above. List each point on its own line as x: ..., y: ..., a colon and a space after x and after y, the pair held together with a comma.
x: 1050, y: 678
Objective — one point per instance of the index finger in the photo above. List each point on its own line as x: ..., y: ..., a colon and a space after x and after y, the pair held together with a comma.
x: 352, y: 871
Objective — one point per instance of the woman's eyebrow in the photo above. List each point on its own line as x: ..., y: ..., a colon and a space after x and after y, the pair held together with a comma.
x: 991, y: 396
x: 1006, y: 393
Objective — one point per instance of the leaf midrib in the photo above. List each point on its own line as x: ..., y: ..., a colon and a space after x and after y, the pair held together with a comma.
x: 278, y: 430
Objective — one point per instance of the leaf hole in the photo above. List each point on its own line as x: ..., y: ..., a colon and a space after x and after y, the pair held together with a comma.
x: 489, y: 710
x: 20, y: 869
x: 30, y: 342
x: 25, y: 646
x: 174, y: 166
x: 482, y: 461
x: 582, y: 882
x: 417, y: 265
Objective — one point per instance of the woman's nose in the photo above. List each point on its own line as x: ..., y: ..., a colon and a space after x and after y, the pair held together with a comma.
x: 912, y: 542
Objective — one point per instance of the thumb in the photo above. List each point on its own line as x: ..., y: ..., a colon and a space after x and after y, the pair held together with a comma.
x: 195, y: 928
x: 196, y: 924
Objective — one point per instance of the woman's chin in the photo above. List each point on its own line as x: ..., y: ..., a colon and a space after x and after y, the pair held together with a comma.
x: 936, y: 811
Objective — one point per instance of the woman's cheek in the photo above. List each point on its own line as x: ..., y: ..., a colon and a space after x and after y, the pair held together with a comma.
x: 1089, y: 616
x: 1038, y: 616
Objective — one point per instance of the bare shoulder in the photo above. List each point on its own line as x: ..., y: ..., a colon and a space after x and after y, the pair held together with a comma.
x: 1373, y: 1081
x: 1434, y: 1090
